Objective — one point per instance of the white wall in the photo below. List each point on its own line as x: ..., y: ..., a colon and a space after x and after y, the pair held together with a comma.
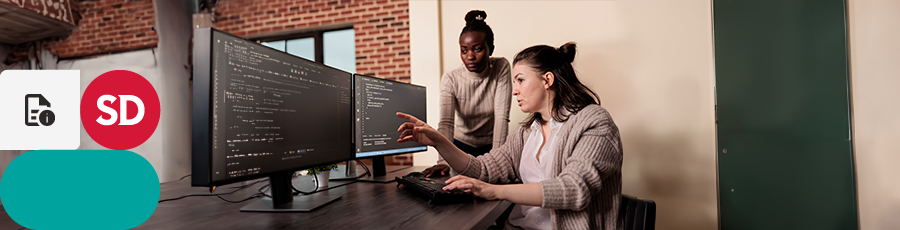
x: 874, y: 27
x: 650, y: 62
x: 425, y: 64
x: 173, y: 25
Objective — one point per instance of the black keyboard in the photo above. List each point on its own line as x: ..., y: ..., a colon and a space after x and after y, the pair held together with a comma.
x: 433, y: 190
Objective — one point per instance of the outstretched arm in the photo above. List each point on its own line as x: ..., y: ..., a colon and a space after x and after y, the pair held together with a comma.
x: 419, y: 131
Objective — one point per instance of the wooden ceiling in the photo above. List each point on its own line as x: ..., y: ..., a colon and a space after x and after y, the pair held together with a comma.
x: 21, y: 21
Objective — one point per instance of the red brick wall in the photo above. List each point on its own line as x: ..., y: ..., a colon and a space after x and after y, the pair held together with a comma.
x: 108, y: 26
x: 381, y: 26
x: 105, y: 26
x: 59, y: 10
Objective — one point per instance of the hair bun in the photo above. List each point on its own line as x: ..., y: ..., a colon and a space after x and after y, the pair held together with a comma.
x: 475, y: 15
x: 568, y: 51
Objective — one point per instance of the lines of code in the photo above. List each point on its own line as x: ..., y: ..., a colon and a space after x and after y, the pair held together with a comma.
x: 273, y: 111
x: 377, y: 102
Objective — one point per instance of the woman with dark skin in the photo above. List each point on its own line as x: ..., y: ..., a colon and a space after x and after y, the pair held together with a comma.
x: 567, y: 153
x: 478, y: 91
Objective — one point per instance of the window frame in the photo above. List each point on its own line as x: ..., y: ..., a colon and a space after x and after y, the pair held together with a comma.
x: 316, y: 33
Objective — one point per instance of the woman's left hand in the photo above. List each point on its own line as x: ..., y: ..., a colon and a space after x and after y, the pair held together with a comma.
x: 476, y: 187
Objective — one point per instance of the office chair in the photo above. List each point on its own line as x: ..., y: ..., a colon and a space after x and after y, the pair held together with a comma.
x: 637, y: 214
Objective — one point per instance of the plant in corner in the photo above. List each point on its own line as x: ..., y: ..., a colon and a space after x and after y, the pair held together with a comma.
x: 321, y: 174
x: 322, y: 168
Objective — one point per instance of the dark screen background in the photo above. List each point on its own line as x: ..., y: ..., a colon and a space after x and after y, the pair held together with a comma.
x: 377, y: 102
x: 273, y: 111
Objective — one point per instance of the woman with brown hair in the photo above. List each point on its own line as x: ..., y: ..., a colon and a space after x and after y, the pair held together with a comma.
x: 567, y: 153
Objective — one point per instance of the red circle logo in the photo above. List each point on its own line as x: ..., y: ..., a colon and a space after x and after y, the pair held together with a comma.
x: 120, y: 109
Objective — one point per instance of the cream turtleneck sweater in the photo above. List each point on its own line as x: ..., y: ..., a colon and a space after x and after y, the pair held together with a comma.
x: 481, y: 100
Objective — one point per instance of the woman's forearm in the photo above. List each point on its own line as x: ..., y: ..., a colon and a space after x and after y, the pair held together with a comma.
x: 457, y: 159
x: 524, y: 194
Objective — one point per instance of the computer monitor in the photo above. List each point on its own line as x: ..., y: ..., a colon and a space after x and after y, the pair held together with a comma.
x: 259, y: 112
x: 377, y: 101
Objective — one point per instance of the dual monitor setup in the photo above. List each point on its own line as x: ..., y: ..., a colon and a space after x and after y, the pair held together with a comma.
x: 259, y: 112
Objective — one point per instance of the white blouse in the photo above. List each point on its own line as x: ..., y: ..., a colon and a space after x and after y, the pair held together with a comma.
x: 534, y: 170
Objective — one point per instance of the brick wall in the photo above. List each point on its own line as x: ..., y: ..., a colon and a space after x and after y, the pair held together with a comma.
x: 381, y: 26
x: 108, y: 26
x: 105, y: 26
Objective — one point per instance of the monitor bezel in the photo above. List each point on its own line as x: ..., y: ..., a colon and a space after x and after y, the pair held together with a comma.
x: 206, y: 126
x: 354, y: 115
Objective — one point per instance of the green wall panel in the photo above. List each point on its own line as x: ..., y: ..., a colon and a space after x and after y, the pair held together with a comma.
x: 785, y: 158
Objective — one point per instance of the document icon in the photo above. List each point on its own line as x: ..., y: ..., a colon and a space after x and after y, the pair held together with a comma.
x: 51, y: 106
x: 37, y: 111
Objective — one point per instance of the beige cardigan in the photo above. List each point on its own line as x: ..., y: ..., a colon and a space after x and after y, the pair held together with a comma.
x: 587, y: 186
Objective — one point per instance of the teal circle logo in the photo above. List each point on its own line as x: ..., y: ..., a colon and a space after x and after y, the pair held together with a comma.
x: 79, y: 189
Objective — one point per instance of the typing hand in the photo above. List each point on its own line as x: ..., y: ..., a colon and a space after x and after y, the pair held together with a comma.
x: 476, y: 187
x: 437, y: 170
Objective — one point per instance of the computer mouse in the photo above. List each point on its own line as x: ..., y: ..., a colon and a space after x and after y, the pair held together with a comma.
x: 416, y: 174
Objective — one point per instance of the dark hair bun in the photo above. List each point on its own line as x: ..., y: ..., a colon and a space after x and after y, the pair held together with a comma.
x: 473, y: 16
x: 568, y: 51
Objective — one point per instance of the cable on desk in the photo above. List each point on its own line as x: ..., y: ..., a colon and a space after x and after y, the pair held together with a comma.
x: 262, y: 193
x: 257, y: 195
x: 238, y: 188
x: 298, y: 192
x: 182, y: 178
x: 364, y: 167
x: 196, y: 194
x: 266, y: 187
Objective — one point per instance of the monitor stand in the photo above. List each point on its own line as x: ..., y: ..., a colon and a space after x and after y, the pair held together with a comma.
x: 348, y: 171
x: 283, y: 200
x: 380, y: 173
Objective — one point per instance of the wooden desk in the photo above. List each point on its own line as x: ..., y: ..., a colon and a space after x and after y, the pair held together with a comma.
x: 363, y: 206
x: 6, y: 222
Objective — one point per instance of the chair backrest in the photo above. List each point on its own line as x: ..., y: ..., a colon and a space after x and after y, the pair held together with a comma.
x: 637, y: 214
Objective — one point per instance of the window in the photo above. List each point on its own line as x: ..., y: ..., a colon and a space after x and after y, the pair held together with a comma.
x: 335, y: 48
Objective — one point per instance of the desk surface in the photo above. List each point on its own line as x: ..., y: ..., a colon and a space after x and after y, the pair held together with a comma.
x: 363, y: 205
